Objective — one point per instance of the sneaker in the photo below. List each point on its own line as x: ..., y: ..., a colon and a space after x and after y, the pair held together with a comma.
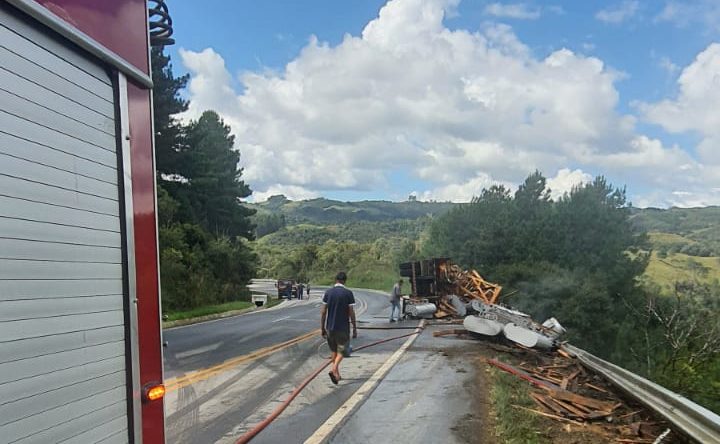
x: 392, y: 320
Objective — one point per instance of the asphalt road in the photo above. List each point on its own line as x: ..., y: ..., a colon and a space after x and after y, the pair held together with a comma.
x: 218, y: 411
x: 204, y: 345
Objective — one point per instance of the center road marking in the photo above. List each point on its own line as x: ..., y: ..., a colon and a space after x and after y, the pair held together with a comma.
x: 280, y: 319
x: 197, y: 351
x: 338, y: 418
x: 201, y: 375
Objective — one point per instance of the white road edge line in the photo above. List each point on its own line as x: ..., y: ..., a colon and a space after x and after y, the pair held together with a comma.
x: 326, y: 431
x: 280, y: 319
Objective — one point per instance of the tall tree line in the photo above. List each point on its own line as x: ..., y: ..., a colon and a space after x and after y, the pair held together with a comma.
x: 203, y: 226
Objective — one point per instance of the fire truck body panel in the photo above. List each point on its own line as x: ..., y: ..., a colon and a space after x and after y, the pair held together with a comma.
x: 79, y: 290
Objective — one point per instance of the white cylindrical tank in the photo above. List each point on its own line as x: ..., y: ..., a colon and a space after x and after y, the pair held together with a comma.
x: 422, y: 310
x: 482, y: 326
x: 458, y: 305
x: 526, y: 337
x: 554, y: 326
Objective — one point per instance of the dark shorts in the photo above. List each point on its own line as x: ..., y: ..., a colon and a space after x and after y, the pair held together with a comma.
x: 338, y: 341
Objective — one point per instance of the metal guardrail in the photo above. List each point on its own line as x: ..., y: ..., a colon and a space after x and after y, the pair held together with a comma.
x: 262, y: 280
x: 695, y: 421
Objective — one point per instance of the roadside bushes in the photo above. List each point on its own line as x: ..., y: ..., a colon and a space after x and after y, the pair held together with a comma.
x: 198, y: 269
x: 369, y: 265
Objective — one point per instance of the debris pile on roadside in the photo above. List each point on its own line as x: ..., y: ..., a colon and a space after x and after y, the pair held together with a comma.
x: 564, y: 390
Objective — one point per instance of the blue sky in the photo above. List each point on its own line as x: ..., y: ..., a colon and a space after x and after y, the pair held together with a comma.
x: 643, y: 48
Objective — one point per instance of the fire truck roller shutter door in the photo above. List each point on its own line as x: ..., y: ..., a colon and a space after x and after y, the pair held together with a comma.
x: 63, y: 345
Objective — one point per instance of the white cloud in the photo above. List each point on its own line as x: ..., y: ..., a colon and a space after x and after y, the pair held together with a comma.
x: 694, y: 110
x: 455, y: 109
x: 680, y: 199
x: 520, y: 11
x: 565, y: 180
x: 696, y: 106
x: 650, y: 164
x: 210, y: 85
x: 668, y: 65
x: 618, y: 13
x: 688, y: 12
x: 644, y: 152
x: 461, y: 192
x: 292, y: 192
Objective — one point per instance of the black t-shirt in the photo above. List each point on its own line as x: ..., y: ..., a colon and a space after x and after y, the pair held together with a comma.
x: 338, y: 300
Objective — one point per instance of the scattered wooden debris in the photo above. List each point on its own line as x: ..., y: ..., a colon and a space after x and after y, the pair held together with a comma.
x: 564, y: 353
x: 547, y: 414
x: 594, y: 387
x: 566, y: 392
x: 453, y: 331
x: 627, y: 415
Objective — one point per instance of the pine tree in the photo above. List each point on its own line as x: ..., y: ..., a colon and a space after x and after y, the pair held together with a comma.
x: 215, y: 187
x: 202, y: 221
x: 167, y: 102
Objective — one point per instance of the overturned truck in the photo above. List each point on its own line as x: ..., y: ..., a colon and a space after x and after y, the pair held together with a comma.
x: 442, y: 289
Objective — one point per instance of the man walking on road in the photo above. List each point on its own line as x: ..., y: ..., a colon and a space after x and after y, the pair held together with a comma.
x: 338, y: 311
x: 395, y: 301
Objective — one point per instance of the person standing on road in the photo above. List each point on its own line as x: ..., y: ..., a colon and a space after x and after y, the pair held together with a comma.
x: 395, y: 301
x: 300, y: 291
x: 338, y: 311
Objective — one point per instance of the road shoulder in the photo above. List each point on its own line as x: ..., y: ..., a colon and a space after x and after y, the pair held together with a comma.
x: 435, y: 393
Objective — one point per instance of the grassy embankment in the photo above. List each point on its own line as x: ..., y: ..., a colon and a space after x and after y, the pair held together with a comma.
x: 215, y: 309
x: 513, y: 425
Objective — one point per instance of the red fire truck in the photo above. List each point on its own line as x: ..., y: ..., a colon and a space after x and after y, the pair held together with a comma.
x: 80, y: 338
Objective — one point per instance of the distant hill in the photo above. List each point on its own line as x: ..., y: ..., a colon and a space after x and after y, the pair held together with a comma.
x: 693, y: 226
x: 696, y: 230
x: 685, y: 242
x: 363, y: 232
x: 323, y: 211
x: 677, y: 220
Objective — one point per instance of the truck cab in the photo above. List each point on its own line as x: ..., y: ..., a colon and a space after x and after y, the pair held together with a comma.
x: 286, y: 288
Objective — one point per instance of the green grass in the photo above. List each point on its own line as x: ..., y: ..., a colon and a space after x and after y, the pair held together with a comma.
x: 208, y: 310
x: 304, y: 226
x: 273, y: 302
x: 681, y: 267
x: 513, y: 425
x: 666, y: 270
x: 658, y: 239
x: 375, y: 277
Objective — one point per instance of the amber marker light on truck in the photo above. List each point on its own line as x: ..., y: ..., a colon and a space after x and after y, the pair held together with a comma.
x: 153, y: 392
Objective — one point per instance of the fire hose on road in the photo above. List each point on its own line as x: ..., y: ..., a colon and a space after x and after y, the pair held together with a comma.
x: 252, y: 433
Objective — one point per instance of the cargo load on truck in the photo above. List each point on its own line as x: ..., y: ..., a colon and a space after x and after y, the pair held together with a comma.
x: 442, y: 289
